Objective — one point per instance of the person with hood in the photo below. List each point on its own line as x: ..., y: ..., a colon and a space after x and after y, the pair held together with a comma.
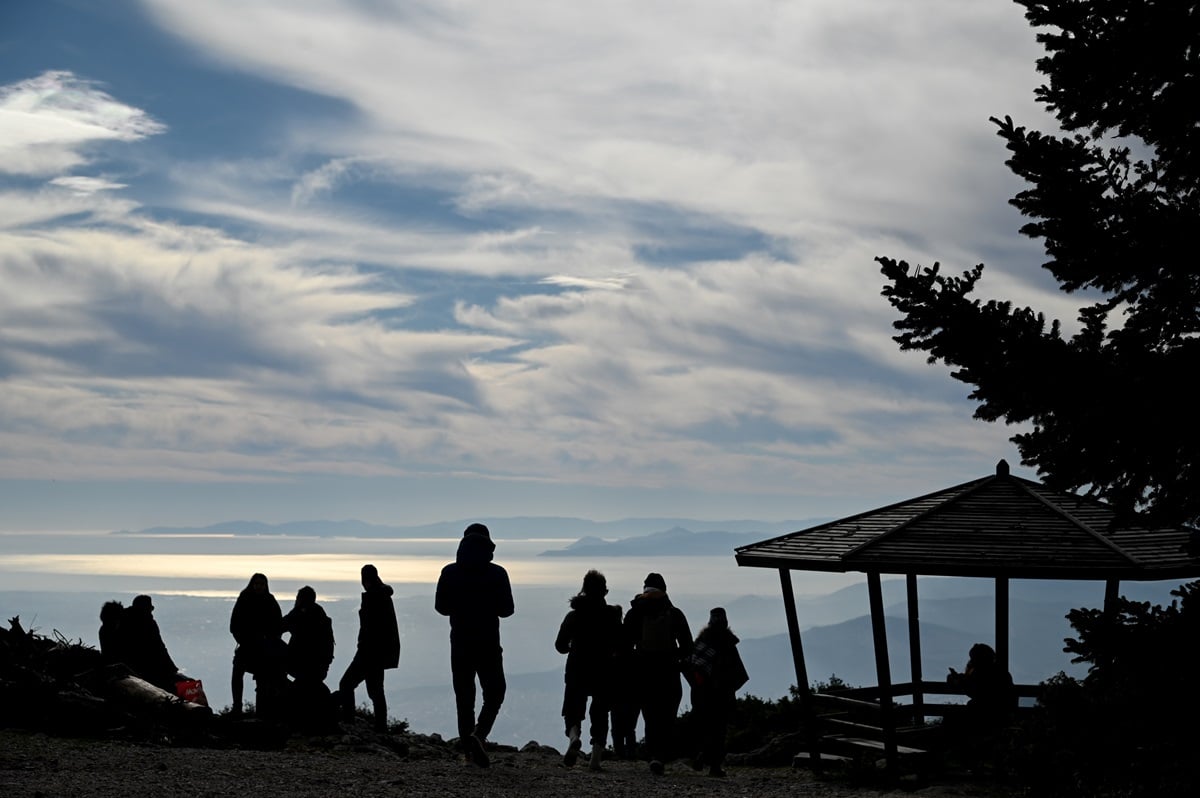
x: 475, y: 594
x: 716, y: 672
x: 658, y: 633
x: 143, y: 648
x: 112, y: 646
x: 378, y: 648
x: 590, y: 636
x: 310, y: 646
x: 257, y: 625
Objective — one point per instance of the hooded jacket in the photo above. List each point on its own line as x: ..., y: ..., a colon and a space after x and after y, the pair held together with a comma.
x: 646, y: 611
x: 378, y: 632
x: 474, y: 592
x: 590, y: 636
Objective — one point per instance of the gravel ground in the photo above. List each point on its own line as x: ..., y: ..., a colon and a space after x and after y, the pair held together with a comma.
x: 34, y: 765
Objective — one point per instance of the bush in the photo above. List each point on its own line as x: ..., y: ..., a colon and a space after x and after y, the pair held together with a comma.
x: 1129, y: 728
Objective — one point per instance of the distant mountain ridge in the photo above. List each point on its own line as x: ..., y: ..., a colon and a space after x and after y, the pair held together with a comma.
x: 676, y: 541
x: 519, y: 527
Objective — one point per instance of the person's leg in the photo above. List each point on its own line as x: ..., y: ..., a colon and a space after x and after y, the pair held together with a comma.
x: 462, y: 675
x: 355, y: 674
x: 490, y: 668
x: 374, y: 680
x: 237, y: 685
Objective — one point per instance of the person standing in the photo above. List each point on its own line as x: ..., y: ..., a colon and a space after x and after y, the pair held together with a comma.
x: 378, y: 648
x: 256, y: 624
x: 590, y: 636
x: 716, y: 672
x: 475, y: 594
x: 659, y: 634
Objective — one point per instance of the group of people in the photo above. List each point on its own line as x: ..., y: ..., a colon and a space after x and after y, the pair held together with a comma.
x: 627, y: 663
x: 632, y: 665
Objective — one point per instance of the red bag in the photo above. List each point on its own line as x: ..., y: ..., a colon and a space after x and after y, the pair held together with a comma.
x: 192, y: 690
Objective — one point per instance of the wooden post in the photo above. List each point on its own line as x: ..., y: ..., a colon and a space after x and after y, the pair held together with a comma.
x: 789, y: 606
x: 807, y: 709
x: 914, y: 650
x: 1112, y: 591
x: 1002, y: 622
x: 883, y: 669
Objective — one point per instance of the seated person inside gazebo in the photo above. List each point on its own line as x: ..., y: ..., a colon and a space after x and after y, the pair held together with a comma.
x: 989, y: 688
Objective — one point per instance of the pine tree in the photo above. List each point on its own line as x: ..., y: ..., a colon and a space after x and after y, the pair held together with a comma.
x: 1115, y: 199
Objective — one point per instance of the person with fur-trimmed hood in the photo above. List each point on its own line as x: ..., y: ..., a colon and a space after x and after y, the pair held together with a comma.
x: 475, y: 594
x: 659, y: 635
x: 716, y: 672
x: 590, y: 636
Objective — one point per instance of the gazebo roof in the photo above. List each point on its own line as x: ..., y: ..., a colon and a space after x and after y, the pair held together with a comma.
x: 999, y: 525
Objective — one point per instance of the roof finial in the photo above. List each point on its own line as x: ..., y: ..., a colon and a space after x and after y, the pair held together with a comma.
x: 1002, y: 468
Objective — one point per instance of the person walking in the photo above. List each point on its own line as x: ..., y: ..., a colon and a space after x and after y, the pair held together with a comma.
x: 716, y: 672
x: 256, y: 623
x: 590, y: 636
x: 658, y: 633
x: 475, y: 594
x: 378, y: 648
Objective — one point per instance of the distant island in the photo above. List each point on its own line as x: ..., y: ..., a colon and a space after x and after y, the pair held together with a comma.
x: 673, y: 542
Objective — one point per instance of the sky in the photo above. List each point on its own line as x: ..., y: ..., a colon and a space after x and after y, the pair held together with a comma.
x: 417, y: 261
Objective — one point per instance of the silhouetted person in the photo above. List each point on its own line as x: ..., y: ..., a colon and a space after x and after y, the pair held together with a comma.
x: 624, y: 701
x: 989, y: 688
x: 475, y: 593
x: 310, y: 646
x: 256, y: 624
x: 659, y: 634
x: 378, y: 648
x: 144, y: 650
x: 590, y: 636
x: 112, y: 649
x: 716, y: 672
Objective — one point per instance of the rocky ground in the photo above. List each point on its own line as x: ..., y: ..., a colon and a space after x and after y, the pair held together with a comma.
x: 36, y: 765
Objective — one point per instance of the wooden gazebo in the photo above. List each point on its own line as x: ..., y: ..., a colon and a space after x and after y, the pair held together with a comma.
x: 1001, y: 527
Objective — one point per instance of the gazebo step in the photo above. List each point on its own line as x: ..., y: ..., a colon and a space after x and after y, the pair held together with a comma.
x: 805, y: 759
x: 866, y: 744
x: 864, y: 729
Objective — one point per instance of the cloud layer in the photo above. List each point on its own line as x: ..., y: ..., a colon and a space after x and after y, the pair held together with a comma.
x: 628, y: 245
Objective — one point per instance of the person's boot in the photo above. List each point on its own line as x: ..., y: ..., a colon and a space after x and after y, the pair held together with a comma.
x: 573, y: 746
x: 597, y: 756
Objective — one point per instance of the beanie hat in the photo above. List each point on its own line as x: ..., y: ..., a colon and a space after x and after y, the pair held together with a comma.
x: 477, y: 529
x: 655, y: 581
x: 718, y: 619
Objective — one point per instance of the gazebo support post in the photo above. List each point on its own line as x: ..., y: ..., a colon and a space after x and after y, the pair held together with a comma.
x: 883, y: 669
x: 1112, y: 592
x: 914, y: 650
x: 802, y: 688
x: 1002, y: 622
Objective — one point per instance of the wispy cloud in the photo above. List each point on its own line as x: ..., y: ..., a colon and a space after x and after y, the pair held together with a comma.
x: 47, y: 122
x: 621, y: 245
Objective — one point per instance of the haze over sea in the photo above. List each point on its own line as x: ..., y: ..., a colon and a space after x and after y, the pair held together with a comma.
x: 56, y: 582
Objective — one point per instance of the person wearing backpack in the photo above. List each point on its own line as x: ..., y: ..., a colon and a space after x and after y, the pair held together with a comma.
x: 590, y: 636
x: 716, y: 673
x: 658, y: 633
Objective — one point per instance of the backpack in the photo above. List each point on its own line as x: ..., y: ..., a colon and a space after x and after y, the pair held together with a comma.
x: 656, y: 633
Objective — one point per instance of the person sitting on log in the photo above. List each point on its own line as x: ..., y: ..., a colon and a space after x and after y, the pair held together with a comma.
x: 111, y: 648
x: 309, y: 654
x: 143, y: 648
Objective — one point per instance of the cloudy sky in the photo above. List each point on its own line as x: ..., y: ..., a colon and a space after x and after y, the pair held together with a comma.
x: 409, y: 261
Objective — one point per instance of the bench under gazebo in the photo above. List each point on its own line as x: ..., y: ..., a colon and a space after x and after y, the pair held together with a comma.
x: 1000, y: 527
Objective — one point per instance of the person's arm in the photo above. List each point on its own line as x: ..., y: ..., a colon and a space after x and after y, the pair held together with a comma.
x: 504, y: 599
x: 441, y: 596
x: 562, y: 643
x: 683, y: 634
